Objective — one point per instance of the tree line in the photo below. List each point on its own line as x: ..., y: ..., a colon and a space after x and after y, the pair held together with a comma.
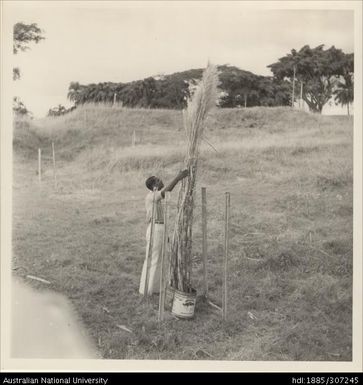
x: 319, y: 75
x: 238, y: 88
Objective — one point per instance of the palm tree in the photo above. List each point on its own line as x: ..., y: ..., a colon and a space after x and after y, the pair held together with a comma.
x: 344, y: 94
x: 75, y: 92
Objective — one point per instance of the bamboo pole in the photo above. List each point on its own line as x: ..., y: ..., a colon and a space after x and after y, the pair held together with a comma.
x: 163, y: 260
x: 150, y: 250
x: 225, y: 265
x: 204, y: 241
x: 54, y: 170
x: 40, y: 165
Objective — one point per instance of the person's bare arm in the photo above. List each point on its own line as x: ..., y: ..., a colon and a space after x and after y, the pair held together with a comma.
x: 174, y: 182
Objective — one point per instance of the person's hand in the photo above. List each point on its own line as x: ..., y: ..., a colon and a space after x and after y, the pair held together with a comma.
x: 182, y: 174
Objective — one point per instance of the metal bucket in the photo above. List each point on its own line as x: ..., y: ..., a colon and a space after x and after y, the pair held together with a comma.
x: 184, y: 304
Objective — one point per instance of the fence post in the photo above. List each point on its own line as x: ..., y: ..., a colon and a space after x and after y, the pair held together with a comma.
x: 54, y: 171
x: 163, y: 261
x: 150, y: 249
x: 204, y: 239
x: 39, y: 165
x: 225, y: 265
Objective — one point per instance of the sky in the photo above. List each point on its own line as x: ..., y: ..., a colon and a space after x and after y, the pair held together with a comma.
x: 119, y: 41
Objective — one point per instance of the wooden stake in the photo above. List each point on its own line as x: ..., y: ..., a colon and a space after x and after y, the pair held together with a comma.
x: 38, y: 279
x: 301, y: 94
x: 226, y: 244
x: 54, y: 172
x: 114, y: 99
x: 150, y: 250
x: 214, y: 305
x: 204, y: 236
x: 40, y: 165
x: 163, y: 261
x: 133, y: 140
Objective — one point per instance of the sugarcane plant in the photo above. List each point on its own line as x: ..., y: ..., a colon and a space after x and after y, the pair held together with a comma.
x: 194, y: 116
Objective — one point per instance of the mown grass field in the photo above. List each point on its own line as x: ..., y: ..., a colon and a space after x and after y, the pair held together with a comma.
x: 290, y: 279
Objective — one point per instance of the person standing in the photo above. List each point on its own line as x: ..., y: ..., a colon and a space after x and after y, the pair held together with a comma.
x: 154, y: 197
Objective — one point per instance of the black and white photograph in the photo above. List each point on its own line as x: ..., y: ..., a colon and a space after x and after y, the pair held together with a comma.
x: 182, y: 185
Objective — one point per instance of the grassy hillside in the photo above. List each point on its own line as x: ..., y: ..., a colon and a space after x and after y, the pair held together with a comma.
x: 290, y: 178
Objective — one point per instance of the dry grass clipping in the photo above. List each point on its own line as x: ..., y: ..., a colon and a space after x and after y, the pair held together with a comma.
x: 194, y: 116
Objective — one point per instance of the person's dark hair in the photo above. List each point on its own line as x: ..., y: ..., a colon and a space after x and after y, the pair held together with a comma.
x: 150, y: 182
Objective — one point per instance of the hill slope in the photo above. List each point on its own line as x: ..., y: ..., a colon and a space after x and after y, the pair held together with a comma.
x: 290, y: 278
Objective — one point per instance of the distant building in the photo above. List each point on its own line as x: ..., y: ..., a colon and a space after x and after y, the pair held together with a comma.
x: 160, y: 76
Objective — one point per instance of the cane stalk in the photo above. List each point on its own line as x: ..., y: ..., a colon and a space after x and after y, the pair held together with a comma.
x: 194, y: 118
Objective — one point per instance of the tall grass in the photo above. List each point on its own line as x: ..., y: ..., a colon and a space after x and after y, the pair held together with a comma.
x: 194, y: 121
x: 290, y: 178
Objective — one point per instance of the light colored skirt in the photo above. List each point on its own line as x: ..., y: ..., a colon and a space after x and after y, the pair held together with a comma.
x: 155, y: 262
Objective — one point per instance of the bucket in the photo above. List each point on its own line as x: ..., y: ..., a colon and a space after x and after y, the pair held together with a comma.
x: 169, y: 297
x: 184, y: 304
